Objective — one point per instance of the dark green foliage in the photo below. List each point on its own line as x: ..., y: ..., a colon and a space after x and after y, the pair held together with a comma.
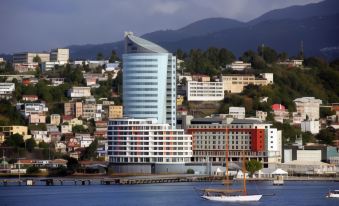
x: 100, y: 56
x: 9, y: 115
x: 252, y: 166
x: 37, y: 59
x: 114, y: 57
x: 91, y: 151
x: 76, y: 77
x: 289, y: 131
x: 268, y: 54
x: 326, y: 136
x: 190, y: 171
x: 72, y: 164
x: 79, y: 129
x: 30, y: 144
x: 15, y: 140
x: 60, y: 171
x: 207, y: 62
x: 32, y: 170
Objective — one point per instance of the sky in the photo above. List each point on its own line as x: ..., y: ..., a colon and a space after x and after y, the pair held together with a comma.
x: 40, y: 25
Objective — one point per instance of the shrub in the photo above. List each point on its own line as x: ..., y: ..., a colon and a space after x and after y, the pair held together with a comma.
x: 190, y: 171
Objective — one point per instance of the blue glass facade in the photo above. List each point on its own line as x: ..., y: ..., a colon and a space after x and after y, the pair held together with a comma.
x: 149, y: 74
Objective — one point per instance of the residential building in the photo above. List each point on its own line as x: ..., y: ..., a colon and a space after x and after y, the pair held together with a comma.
x: 30, y: 98
x: 112, y: 66
x: 180, y: 100
x: 204, y: 91
x: 145, y: 141
x: 51, y: 65
x: 312, y: 126
x: 40, y: 136
x: 84, y: 139
x: 79, y: 92
x: 25, y: 67
x: 56, y: 81
x: 37, y: 119
x: 15, y: 129
x: 27, y: 57
x: 237, y: 112
x: 292, y: 63
x: 6, y: 90
x: 261, y: 115
x: 237, y: 83
x: 239, y: 66
x: 55, y: 119
x: 280, y: 113
x: 308, y: 167
x: 201, y: 78
x: 89, y: 109
x: 73, y: 109
x: 115, y: 111
x: 59, y: 55
x: 27, y: 109
x: 249, y: 138
x: 307, y: 108
x: 149, y: 81
x: 2, y: 137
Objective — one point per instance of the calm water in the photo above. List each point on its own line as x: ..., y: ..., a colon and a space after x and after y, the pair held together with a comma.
x: 174, y: 194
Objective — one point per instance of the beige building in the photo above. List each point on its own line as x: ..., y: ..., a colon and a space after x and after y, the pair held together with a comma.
x: 37, y: 119
x: 59, y: 55
x: 204, y: 91
x: 236, y: 83
x: 27, y: 57
x: 55, y: 119
x: 73, y: 109
x: 307, y: 108
x: 89, y: 110
x: 15, y: 129
x: 115, y: 111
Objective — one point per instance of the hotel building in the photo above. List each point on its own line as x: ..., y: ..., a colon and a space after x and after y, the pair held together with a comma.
x: 149, y: 81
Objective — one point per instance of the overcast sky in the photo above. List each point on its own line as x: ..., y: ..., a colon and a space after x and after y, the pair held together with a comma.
x: 36, y: 25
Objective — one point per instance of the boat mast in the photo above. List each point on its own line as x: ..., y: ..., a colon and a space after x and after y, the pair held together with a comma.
x: 226, y: 156
x: 244, y: 172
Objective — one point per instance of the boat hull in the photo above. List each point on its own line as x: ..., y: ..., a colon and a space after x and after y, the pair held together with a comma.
x: 235, y: 198
x: 331, y: 195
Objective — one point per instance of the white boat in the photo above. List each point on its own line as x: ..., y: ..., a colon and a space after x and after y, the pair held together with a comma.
x: 333, y: 194
x: 233, y: 198
x: 229, y: 195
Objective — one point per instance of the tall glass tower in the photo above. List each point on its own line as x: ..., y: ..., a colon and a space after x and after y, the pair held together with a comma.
x: 149, y: 81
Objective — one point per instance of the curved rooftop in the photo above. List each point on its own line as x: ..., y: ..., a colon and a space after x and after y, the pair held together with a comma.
x: 134, y: 44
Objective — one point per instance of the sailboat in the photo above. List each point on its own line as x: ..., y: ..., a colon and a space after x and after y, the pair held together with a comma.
x: 229, y: 195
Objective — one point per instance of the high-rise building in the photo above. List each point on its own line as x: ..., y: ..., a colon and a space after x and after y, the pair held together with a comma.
x: 149, y: 81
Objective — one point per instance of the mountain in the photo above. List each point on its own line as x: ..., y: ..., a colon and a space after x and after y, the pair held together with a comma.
x: 283, y: 35
x: 202, y: 27
x: 323, y: 8
x: 283, y: 29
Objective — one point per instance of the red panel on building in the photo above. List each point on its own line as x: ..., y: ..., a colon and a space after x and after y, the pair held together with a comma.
x: 258, y: 140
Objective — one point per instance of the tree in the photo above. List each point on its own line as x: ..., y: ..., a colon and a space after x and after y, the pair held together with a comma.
x: 326, y: 136
x: 114, y: 57
x: 72, y: 164
x: 30, y: 144
x: 15, y: 140
x: 91, y: 151
x: 32, y: 170
x: 252, y: 166
x: 268, y: 54
x: 37, y: 59
x: 79, y: 129
x: 100, y: 56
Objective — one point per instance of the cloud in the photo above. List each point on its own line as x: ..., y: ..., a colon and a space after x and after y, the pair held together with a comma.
x: 167, y: 7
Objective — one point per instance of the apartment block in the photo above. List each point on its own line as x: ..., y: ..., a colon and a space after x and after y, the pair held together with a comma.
x: 237, y: 83
x: 115, y: 111
x: 308, y: 107
x: 59, y: 55
x: 204, y: 91
x: 79, y: 92
x: 27, y: 57
x: 6, y: 90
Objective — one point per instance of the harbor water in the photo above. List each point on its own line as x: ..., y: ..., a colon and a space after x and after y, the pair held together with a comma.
x: 307, y: 193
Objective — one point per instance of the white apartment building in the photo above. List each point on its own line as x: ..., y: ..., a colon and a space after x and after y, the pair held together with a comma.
x: 261, y: 115
x: 237, y: 83
x: 312, y: 126
x: 237, y: 112
x: 239, y: 66
x: 257, y: 140
x: 145, y: 141
x: 27, y: 109
x: 79, y: 92
x: 6, y: 90
x: 204, y: 91
x: 307, y: 108
x: 59, y: 55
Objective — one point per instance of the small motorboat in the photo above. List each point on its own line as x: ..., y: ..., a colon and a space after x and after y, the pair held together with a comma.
x: 333, y: 194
